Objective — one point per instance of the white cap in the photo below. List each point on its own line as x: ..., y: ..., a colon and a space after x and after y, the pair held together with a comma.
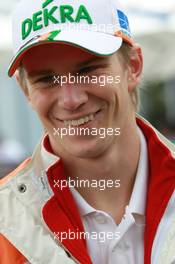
x: 98, y: 26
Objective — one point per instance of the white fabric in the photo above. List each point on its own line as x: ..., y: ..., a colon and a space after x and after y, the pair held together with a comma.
x: 97, y: 35
x: 103, y: 14
x: 165, y: 235
x: 22, y: 224
x: 121, y: 250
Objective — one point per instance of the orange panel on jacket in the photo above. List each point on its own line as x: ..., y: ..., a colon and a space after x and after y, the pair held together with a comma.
x: 9, y: 254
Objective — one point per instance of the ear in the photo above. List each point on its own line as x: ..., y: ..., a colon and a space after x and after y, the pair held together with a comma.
x: 23, y: 84
x: 135, y: 67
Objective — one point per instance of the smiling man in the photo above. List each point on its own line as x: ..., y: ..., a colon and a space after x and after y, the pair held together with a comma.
x: 99, y: 187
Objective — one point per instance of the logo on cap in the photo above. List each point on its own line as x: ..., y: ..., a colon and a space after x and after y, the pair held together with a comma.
x: 124, y: 23
x: 45, y: 16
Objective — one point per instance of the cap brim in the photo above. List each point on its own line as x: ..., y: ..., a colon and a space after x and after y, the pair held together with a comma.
x: 101, y: 44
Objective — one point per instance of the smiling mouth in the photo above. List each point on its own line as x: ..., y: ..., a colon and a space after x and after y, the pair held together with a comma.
x: 80, y: 121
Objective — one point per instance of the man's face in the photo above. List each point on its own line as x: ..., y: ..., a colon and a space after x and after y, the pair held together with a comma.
x: 79, y: 104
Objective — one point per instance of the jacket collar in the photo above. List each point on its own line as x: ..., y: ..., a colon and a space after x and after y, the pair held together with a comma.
x: 161, y: 185
x: 161, y: 181
x: 60, y: 212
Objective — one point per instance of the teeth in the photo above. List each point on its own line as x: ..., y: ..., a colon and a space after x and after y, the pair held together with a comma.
x: 80, y: 121
x: 86, y: 119
x: 91, y: 117
x: 74, y: 123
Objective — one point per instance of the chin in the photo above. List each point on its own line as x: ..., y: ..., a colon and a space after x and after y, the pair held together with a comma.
x: 91, y: 148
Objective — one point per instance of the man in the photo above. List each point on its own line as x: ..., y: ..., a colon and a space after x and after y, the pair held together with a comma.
x: 99, y: 187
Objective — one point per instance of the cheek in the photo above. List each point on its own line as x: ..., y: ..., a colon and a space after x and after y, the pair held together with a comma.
x: 117, y: 96
x: 115, y: 88
x: 105, y: 93
x: 40, y: 102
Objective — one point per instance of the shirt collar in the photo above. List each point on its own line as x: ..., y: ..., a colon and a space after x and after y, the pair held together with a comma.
x: 83, y: 206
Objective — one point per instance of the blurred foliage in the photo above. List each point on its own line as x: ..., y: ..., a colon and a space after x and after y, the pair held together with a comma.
x: 155, y: 99
x: 153, y: 107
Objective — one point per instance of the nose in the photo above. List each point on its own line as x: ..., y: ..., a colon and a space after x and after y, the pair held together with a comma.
x: 72, y: 96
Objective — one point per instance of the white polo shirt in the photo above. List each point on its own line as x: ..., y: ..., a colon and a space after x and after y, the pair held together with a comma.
x: 127, y: 246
